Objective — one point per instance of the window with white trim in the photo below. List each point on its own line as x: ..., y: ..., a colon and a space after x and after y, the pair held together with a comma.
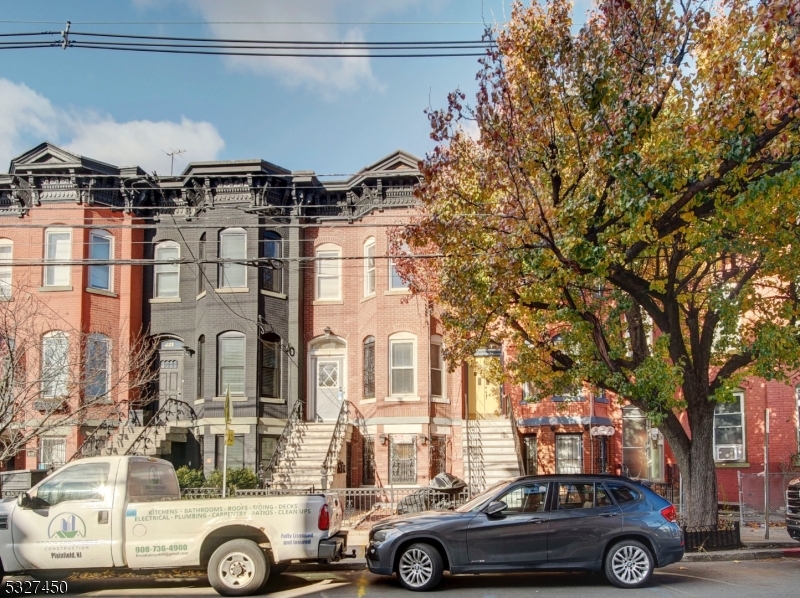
x: 6, y: 256
x: 58, y: 248
x: 396, y: 283
x: 52, y: 455
x: 272, y: 270
x: 233, y: 246
x: 55, y: 364
x: 369, y: 267
x: 167, y: 276
x: 98, y: 366
x: 230, y: 361
x: 271, y: 366
x: 101, y: 248
x: 729, y: 442
x: 402, y: 364
x: 437, y: 367
x: 329, y: 272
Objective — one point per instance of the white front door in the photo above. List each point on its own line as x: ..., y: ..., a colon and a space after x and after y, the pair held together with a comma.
x: 70, y: 524
x: 329, y: 391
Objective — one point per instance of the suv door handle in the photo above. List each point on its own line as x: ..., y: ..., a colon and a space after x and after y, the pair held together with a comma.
x: 537, y: 520
x: 102, y: 517
x: 609, y: 514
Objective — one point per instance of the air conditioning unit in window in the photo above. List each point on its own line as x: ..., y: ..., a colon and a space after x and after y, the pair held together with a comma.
x: 729, y: 452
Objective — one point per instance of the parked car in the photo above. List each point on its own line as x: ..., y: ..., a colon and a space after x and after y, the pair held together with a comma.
x: 443, y: 494
x: 793, y: 509
x: 560, y: 522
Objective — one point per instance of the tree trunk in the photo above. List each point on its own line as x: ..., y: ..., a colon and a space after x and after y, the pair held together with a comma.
x: 696, y: 461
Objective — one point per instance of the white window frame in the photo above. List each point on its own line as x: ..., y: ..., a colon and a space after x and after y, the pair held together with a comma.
x: 161, y: 269
x: 54, y: 386
x: 57, y: 448
x: 102, y: 234
x: 231, y: 334
x: 6, y: 270
x: 398, y: 339
x: 370, y: 278
x: 741, y: 395
x: 93, y: 340
x: 437, y: 340
x: 328, y: 254
x: 222, y: 283
x: 393, y: 272
x: 53, y: 262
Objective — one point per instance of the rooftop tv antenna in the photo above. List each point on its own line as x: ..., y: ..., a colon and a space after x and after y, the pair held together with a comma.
x: 172, y: 154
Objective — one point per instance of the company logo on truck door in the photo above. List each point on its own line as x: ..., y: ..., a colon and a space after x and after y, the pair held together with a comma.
x: 66, y: 525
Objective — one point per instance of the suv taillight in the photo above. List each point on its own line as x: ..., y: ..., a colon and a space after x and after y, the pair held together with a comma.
x: 669, y: 513
x: 324, y: 519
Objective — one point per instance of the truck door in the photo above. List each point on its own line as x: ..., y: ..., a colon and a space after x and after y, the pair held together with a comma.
x: 69, y: 523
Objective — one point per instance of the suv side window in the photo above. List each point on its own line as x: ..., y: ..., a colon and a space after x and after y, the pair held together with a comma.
x: 148, y: 481
x: 525, y: 499
x: 85, y: 482
x: 622, y: 493
x: 578, y: 496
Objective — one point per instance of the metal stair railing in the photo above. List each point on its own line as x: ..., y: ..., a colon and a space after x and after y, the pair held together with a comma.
x: 517, y: 446
x: 295, y: 418
x: 99, y: 439
x: 172, y: 411
x: 339, y: 432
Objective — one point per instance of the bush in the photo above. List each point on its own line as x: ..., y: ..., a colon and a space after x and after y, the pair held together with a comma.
x: 241, y: 478
x: 190, y: 478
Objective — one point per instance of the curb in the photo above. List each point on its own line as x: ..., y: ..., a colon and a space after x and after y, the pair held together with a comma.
x: 357, y: 564
x: 741, y: 555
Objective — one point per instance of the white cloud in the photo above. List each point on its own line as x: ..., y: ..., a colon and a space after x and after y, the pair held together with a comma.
x: 322, y: 75
x: 27, y: 118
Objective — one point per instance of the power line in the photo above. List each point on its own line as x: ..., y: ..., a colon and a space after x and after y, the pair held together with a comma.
x: 203, y: 23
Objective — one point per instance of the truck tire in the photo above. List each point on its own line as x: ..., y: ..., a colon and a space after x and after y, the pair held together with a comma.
x: 238, y: 568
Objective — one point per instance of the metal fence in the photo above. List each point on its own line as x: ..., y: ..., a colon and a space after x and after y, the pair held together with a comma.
x: 751, y: 496
x: 194, y: 493
x: 364, y: 507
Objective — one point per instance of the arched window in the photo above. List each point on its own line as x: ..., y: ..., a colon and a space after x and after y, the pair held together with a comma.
x: 369, y: 267
x: 230, y: 363
x: 101, y: 249
x: 329, y: 272
x: 58, y: 248
x: 369, y: 367
x: 55, y: 364
x: 201, y: 266
x: 271, y: 366
x: 232, y: 246
x: 6, y: 255
x: 98, y: 366
x: 167, y: 276
x: 403, y: 364
x: 201, y: 366
x: 271, y: 272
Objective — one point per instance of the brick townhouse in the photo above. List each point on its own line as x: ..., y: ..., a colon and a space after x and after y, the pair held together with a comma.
x: 58, y: 209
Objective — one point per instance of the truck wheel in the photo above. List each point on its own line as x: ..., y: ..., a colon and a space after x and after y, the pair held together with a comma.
x: 629, y: 564
x: 420, y: 567
x: 238, y: 568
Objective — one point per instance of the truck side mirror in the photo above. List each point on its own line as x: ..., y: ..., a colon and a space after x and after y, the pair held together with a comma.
x: 24, y: 501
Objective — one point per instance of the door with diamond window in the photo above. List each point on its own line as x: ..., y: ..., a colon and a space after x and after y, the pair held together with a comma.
x: 329, y: 390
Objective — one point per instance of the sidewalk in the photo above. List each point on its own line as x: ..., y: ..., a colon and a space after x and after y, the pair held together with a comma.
x: 754, y: 547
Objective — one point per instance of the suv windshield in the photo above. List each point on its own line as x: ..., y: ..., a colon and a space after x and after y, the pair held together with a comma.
x: 477, y: 503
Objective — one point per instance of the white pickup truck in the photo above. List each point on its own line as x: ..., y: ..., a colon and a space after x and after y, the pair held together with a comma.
x: 126, y: 512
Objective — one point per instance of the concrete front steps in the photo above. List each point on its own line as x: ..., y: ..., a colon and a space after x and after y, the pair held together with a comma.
x: 301, y: 464
x: 490, y: 453
x: 159, y: 444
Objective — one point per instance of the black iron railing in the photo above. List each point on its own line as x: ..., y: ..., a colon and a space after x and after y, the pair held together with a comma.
x: 339, y: 432
x: 171, y: 412
x: 295, y: 418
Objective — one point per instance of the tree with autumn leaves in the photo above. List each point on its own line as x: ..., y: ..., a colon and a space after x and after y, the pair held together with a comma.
x: 620, y: 207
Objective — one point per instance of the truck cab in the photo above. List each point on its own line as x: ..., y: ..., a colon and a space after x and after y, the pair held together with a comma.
x: 793, y: 509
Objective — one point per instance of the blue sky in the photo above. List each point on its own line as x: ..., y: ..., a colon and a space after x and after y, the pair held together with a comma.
x: 329, y: 115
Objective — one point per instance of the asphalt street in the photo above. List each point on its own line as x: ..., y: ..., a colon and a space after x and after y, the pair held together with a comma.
x: 777, y: 578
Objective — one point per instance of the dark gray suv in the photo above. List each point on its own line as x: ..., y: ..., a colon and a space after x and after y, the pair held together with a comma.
x: 559, y: 522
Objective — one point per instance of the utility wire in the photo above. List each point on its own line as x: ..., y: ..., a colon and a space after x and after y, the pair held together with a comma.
x: 202, y: 23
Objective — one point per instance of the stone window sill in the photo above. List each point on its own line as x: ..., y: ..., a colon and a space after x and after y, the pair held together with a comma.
x: 369, y: 297
x: 368, y: 401
x: 397, y: 292
x: 104, y: 292
x: 233, y: 290
x: 272, y: 401
x: 165, y: 300
x: 443, y: 400
x: 234, y: 399
x: 55, y: 289
x: 731, y: 464
x: 200, y: 296
x: 327, y: 302
x: 274, y: 294
x: 402, y: 399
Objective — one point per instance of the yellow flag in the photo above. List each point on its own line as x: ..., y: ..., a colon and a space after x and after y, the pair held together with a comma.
x: 228, y: 410
x: 229, y: 437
